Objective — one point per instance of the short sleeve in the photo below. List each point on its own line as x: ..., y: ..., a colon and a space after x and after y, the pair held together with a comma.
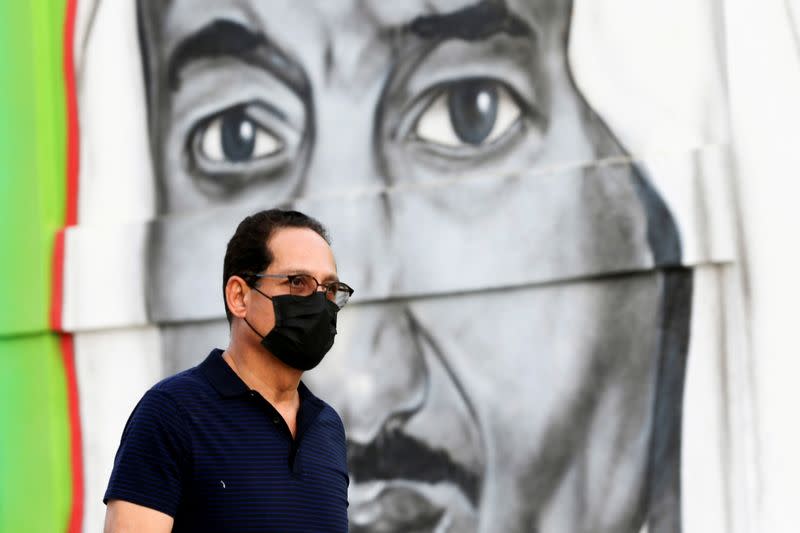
x: 150, y: 465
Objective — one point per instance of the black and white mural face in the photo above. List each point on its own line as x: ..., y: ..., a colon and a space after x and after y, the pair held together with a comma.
x: 513, y: 357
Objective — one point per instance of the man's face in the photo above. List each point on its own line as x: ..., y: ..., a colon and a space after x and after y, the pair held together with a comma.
x: 294, y: 251
x: 481, y: 385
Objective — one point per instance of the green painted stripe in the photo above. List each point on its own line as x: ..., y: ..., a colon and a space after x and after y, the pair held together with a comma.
x: 35, y: 475
x: 32, y: 159
x: 35, y: 485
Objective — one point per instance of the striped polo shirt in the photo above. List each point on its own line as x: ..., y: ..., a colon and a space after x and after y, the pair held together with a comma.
x: 204, y: 448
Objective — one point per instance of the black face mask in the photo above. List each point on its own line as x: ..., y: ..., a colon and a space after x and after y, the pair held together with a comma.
x: 304, y: 329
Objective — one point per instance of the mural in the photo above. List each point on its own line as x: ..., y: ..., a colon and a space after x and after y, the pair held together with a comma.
x: 428, y: 143
x: 534, y: 238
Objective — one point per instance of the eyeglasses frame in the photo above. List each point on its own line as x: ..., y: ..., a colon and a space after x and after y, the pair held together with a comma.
x: 340, y: 285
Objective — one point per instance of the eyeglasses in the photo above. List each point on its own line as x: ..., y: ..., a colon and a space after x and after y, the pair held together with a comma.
x: 306, y: 285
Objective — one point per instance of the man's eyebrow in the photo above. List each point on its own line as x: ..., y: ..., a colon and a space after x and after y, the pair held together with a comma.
x: 224, y: 37
x: 296, y: 271
x: 471, y: 23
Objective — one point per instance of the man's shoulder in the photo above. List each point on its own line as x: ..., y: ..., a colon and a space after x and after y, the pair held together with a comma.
x: 330, y: 412
x: 189, y: 378
x: 326, y: 412
x: 329, y: 415
x: 184, y: 386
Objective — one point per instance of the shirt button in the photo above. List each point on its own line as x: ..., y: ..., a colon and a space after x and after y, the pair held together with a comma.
x: 252, y: 394
x: 276, y: 420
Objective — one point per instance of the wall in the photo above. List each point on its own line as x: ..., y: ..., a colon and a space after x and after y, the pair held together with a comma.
x: 548, y: 216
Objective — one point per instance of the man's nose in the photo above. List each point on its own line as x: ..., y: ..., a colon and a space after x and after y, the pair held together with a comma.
x: 375, y: 375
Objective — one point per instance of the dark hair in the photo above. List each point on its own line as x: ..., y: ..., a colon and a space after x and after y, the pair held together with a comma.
x: 248, y: 254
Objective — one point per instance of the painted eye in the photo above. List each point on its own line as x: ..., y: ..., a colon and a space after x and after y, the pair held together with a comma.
x: 472, y: 112
x: 233, y: 136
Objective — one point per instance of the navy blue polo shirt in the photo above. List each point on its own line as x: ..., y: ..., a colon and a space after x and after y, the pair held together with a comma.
x: 207, y: 450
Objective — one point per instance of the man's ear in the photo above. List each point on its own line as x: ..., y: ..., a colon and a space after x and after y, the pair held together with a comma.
x: 236, y: 292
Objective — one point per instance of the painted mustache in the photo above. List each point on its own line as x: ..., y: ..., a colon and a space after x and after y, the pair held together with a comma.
x: 395, y: 455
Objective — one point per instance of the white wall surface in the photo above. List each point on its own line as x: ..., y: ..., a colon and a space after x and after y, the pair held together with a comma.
x: 764, y: 87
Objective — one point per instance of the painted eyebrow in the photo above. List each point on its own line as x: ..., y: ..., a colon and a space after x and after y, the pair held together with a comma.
x: 471, y: 23
x: 223, y: 37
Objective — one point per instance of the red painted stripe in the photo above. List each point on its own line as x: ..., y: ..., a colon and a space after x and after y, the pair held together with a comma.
x: 71, y: 218
x: 73, y: 137
x: 76, y: 441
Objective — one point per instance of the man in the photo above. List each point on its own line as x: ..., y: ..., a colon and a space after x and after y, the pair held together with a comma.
x: 239, y: 443
x: 523, y: 321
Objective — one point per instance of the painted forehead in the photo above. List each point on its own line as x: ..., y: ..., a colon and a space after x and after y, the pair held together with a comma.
x: 181, y: 17
x: 355, y: 36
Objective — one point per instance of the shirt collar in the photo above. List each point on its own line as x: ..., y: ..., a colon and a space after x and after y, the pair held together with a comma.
x: 227, y: 383
x: 222, y: 376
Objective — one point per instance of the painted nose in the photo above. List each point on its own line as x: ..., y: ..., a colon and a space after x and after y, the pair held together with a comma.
x: 375, y: 375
